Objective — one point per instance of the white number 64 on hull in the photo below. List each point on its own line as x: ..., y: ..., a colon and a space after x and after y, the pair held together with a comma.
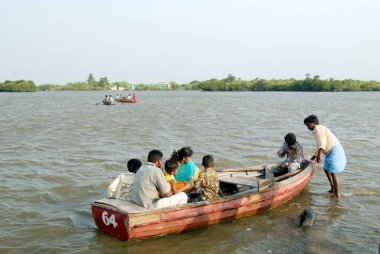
x: 109, y: 220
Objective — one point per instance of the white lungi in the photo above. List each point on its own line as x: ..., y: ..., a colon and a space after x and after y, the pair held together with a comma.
x: 177, y: 199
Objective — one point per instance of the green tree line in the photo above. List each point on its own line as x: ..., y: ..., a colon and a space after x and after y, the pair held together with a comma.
x: 314, y: 84
x: 18, y: 86
x: 91, y: 84
x: 230, y: 83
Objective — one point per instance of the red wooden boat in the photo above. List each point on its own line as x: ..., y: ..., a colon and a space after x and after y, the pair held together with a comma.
x: 124, y: 99
x: 243, y: 193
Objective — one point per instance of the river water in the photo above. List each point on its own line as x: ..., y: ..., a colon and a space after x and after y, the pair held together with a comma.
x: 59, y: 151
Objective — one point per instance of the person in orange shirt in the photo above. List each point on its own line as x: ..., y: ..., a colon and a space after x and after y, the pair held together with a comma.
x: 328, y: 144
x: 171, y: 168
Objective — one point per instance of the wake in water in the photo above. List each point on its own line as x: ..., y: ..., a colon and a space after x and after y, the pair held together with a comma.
x: 369, y: 192
x: 82, y: 219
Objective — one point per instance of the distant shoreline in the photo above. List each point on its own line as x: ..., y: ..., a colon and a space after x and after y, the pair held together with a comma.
x: 229, y: 84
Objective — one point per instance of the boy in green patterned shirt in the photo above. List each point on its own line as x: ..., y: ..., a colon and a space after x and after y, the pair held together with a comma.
x: 208, y: 181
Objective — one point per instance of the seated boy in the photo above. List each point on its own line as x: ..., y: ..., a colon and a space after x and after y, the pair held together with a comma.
x: 208, y: 181
x: 121, y: 187
x: 171, y: 168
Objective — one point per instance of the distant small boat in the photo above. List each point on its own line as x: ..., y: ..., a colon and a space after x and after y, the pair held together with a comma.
x: 244, y: 192
x: 126, y: 100
x: 108, y: 102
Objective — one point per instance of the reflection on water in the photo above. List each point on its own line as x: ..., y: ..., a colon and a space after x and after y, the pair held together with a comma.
x: 59, y: 151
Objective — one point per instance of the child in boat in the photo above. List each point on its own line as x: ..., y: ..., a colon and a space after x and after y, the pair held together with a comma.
x: 208, y: 181
x: 171, y: 168
x: 121, y: 187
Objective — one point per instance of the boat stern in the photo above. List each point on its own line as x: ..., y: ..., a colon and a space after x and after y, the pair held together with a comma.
x: 110, y: 220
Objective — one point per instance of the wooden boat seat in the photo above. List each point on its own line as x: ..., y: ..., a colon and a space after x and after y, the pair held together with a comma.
x: 236, y: 184
x: 252, y: 182
x: 122, y: 205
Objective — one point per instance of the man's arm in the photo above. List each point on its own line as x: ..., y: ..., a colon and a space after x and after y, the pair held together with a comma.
x: 282, y: 151
x: 319, y: 154
x: 111, y: 191
x: 168, y: 194
x: 162, y: 185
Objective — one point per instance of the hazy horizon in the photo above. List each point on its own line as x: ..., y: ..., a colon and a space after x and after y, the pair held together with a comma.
x: 148, y: 41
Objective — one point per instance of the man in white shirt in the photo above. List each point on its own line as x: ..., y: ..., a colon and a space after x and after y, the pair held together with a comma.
x: 121, y: 187
x: 328, y: 144
x: 150, y: 182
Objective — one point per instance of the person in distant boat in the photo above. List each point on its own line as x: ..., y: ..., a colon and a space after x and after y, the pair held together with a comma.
x: 134, y: 96
x: 109, y: 98
x: 171, y: 168
x: 121, y: 187
x: 129, y: 97
x: 328, y: 144
x: 117, y: 97
x: 208, y: 182
x: 188, y: 172
x: 150, y: 183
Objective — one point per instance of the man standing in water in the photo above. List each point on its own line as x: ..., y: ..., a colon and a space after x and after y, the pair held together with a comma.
x: 328, y: 144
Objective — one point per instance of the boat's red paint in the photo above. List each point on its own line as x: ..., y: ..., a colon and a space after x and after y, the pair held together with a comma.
x: 117, y: 229
x: 125, y: 100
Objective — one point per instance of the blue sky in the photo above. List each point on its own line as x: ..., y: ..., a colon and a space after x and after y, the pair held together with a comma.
x: 146, y: 41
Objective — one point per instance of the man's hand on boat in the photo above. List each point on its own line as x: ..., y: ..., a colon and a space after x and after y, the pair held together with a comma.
x: 315, y: 158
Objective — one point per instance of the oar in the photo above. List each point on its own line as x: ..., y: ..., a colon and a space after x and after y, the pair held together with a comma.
x: 98, y: 102
x: 249, y: 169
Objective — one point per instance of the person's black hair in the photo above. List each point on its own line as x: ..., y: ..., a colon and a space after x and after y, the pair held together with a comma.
x: 311, y: 119
x: 290, y: 139
x: 154, y: 156
x: 183, y: 152
x: 171, y: 165
x: 207, y: 161
x: 133, y: 165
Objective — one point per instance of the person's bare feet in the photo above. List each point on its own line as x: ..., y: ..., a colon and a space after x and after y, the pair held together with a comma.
x: 335, y: 195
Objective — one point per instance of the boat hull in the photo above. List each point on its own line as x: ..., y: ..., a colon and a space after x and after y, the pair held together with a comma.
x: 108, y: 102
x: 147, y: 223
x: 123, y: 100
